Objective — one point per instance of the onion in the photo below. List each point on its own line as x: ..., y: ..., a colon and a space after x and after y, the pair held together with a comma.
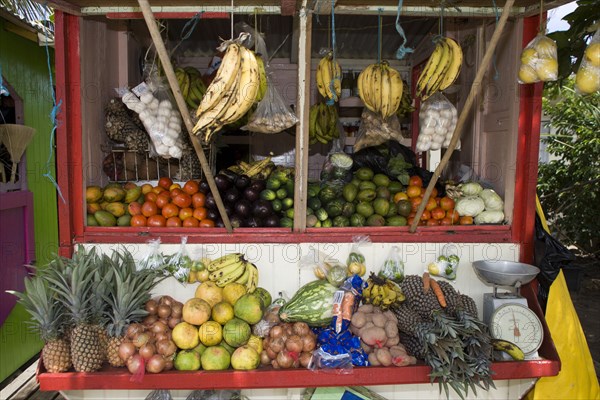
x: 155, y: 364
x: 166, y: 300
x: 277, y: 344
x: 141, y: 339
x: 276, y: 331
x: 272, y: 355
x: 151, y: 306
x: 150, y: 319
x: 275, y: 364
x: 164, y: 311
x: 134, y: 329
x: 272, y: 317
x: 301, y: 328
x: 309, y: 343
x: 287, y: 327
x: 294, y: 344
x: 305, y: 358
x: 284, y: 359
x: 168, y: 365
x: 296, y: 363
x: 147, y: 351
x: 173, y: 321
x: 135, y: 363
x: 266, y: 342
x: 159, y: 327
x: 166, y: 348
x: 161, y: 336
x: 176, y: 309
x: 264, y: 358
x: 126, y: 350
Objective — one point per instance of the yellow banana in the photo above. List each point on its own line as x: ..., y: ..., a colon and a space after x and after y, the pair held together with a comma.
x: 245, y: 276
x: 386, y: 92
x: 429, y: 69
x: 326, y: 76
x: 337, y: 79
x: 435, y: 80
x: 396, y: 91
x: 262, y: 73
x: 365, y: 90
x: 252, y: 278
x: 208, y: 119
x: 508, y: 347
x: 224, y: 261
x: 231, y: 276
x: 320, y: 83
x: 377, y: 87
x: 236, y: 269
x: 455, y: 64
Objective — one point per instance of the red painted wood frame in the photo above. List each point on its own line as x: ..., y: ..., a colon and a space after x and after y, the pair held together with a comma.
x: 70, y: 177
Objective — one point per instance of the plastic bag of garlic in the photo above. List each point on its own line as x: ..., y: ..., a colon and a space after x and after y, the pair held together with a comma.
x: 437, y: 120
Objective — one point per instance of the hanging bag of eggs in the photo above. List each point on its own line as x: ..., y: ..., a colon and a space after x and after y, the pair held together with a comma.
x: 437, y: 120
x: 539, y: 61
x: 587, y: 80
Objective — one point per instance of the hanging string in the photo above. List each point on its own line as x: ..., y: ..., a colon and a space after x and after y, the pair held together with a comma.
x: 379, y: 34
x: 328, y: 33
x: 188, y: 29
x: 256, y: 30
x: 441, y: 24
x: 53, y: 118
x: 232, y: 19
x: 496, y: 72
x: 336, y: 75
x: 333, y: 44
x: 542, y: 23
x: 402, y: 50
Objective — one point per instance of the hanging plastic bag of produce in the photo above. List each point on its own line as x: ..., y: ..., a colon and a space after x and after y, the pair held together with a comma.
x: 445, y: 266
x: 539, y: 61
x: 374, y: 130
x: 211, y: 394
x: 587, y: 80
x: 437, y: 120
x: 159, y: 395
x: 324, y: 266
x: 337, y: 166
x: 355, y: 262
x: 179, y: 264
x: 154, y: 260
x: 270, y: 317
x: 393, y: 267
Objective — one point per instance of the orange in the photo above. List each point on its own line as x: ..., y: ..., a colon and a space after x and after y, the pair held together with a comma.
x: 150, y: 196
x: 149, y: 208
x: 183, y: 200
x: 446, y: 203
x: 138, y: 220
x: 400, y: 196
x: 199, y: 213
x: 158, y: 189
x: 415, y: 180
x: 413, y: 191
x: 173, y: 222
x: 207, y: 223
x: 191, y: 222
x: 466, y: 220
x: 156, y: 220
x: 437, y: 213
x: 165, y: 182
x: 170, y: 210
x: 185, y: 212
x: 431, y: 204
x: 191, y: 187
x: 198, y: 199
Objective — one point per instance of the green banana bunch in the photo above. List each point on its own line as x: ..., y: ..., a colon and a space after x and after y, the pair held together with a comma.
x: 191, y: 85
x: 262, y: 88
x: 442, y: 68
x: 382, y: 292
x: 323, y: 120
x: 509, y: 348
x: 406, y: 106
x: 380, y: 87
x: 233, y: 268
x: 329, y: 78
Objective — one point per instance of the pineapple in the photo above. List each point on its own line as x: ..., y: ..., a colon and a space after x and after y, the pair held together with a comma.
x: 73, y: 281
x: 127, y: 294
x: 48, y: 318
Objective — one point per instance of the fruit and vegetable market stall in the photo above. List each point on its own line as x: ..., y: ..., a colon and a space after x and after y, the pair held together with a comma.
x: 282, y: 247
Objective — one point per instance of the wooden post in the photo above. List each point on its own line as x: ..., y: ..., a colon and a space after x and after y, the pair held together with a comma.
x: 302, y: 108
x: 185, y: 114
x: 462, y: 118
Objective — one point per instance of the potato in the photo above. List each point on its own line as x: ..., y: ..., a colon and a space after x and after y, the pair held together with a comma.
x: 369, y: 317
x: 392, y: 341
x: 398, y: 351
x: 368, y: 349
x: 384, y: 356
x: 390, y: 316
x: 391, y: 329
x: 379, y: 320
x: 366, y: 308
x: 373, y: 360
x: 377, y: 310
x: 374, y: 336
x: 358, y: 319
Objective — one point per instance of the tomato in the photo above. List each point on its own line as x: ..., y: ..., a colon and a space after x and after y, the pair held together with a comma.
x: 207, y: 223
x: 431, y: 204
x: 165, y: 182
x: 134, y: 208
x: 426, y: 215
x: 434, y: 193
x: 150, y: 196
x: 157, y: 220
x: 198, y: 200
x: 183, y: 200
x: 415, y: 201
x: 191, y: 222
x: 433, y: 222
x: 185, y: 213
x: 415, y: 180
x: 446, y: 221
x: 423, y: 190
x: 466, y: 220
x: 191, y: 187
x: 163, y: 199
x: 149, y: 209
x: 413, y: 191
x: 446, y: 203
x: 437, y: 213
x: 170, y: 210
x: 158, y: 189
x: 200, y: 213
x: 173, y: 222
x: 146, y: 188
x: 453, y: 215
x: 176, y: 192
x: 138, y: 220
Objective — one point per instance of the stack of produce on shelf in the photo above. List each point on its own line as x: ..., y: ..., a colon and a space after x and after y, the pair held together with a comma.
x: 279, y: 190
x: 477, y: 205
x: 587, y: 80
x: 288, y: 345
x: 380, y: 88
x: 442, y: 68
x: 323, y: 123
x: 539, y: 61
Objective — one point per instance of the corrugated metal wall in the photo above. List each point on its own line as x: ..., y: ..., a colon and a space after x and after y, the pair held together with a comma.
x: 24, y: 67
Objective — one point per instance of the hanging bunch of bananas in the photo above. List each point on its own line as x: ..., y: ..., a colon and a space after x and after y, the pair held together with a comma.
x: 329, y: 78
x: 382, y: 292
x: 191, y: 84
x: 380, y: 88
x: 233, y: 268
x: 322, y: 125
x: 260, y: 169
x: 442, y: 68
x: 231, y: 93
x: 262, y: 78
x: 406, y: 106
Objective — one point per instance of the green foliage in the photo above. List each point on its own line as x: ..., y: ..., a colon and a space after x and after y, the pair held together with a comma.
x: 571, y: 44
x: 569, y: 187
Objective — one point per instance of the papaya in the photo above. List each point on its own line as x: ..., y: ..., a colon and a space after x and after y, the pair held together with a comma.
x: 105, y: 218
x: 113, y: 194
x: 93, y: 207
x: 117, y: 209
x: 132, y: 194
x: 93, y: 194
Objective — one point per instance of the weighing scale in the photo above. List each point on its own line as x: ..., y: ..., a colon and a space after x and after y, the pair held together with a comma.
x: 506, y: 313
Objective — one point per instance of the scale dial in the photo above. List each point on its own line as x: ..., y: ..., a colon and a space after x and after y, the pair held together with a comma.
x: 518, y: 324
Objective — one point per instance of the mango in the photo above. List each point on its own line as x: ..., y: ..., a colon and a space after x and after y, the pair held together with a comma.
x: 93, y: 194
x: 93, y: 207
x: 113, y: 194
x: 117, y: 209
x: 132, y: 194
x: 105, y: 218
x: 124, y: 220
x: 91, y: 220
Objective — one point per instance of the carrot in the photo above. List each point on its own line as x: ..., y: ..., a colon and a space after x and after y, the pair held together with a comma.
x: 426, y: 282
x: 438, y: 293
x: 348, y: 305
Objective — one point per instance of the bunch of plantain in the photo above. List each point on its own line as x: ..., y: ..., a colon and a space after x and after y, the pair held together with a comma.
x: 406, y: 106
x: 260, y: 169
x: 231, y: 93
x: 509, y: 348
x: 191, y: 85
x: 382, y: 292
x: 233, y: 268
x: 323, y: 120
x: 329, y: 78
x: 380, y: 87
x: 442, y: 68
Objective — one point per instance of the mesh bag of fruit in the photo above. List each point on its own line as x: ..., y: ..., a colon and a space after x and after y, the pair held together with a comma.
x: 437, y: 120
x: 539, y: 61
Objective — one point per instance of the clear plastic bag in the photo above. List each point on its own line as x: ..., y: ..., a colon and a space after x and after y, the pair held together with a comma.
x: 393, y: 267
x: 324, y: 267
x: 159, y: 395
x: 155, y: 259
x: 446, y: 266
x: 211, y: 394
x: 437, y: 121
x: 374, y: 130
x: 539, y: 61
x: 270, y: 317
x: 327, y: 362
x: 587, y: 79
x: 337, y: 167
x: 179, y: 264
x: 356, y: 262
